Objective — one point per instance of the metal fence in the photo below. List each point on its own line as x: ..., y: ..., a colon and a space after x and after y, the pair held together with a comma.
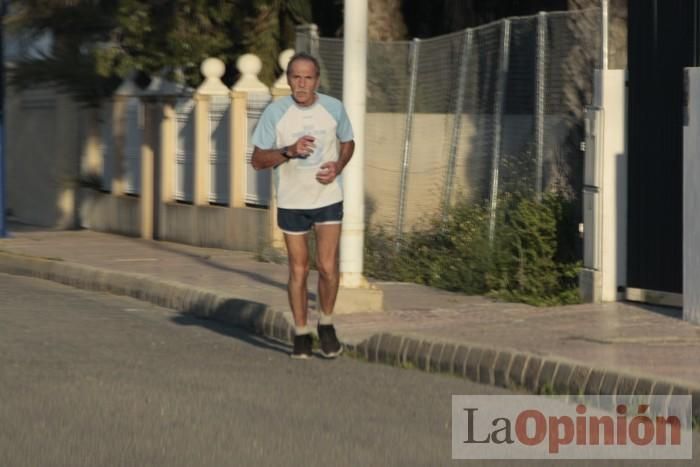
x: 470, y: 115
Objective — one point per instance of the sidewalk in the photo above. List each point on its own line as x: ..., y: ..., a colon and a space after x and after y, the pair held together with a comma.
x: 619, y: 348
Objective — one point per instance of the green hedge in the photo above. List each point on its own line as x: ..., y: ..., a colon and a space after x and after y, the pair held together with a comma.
x: 531, y: 259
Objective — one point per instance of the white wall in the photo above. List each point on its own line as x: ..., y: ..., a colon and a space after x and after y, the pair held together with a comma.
x: 429, y: 157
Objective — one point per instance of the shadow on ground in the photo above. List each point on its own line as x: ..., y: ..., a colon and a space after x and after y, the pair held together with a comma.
x: 187, y: 319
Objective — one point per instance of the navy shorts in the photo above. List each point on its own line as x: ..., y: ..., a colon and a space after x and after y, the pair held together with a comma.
x: 300, y: 221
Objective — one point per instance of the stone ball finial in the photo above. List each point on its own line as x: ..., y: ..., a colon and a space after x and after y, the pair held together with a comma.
x: 284, y: 58
x: 212, y: 68
x: 249, y: 64
x: 283, y: 61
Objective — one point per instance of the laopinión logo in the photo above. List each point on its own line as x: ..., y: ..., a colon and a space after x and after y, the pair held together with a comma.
x: 572, y: 427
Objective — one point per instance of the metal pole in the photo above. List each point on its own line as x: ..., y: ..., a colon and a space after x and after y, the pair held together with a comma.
x: 604, y: 8
x: 539, y: 100
x: 498, y: 125
x: 456, y: 126
x: 355, y: 100
x: 3, y: 226
x: 415, y: 47
x: 307, y: 39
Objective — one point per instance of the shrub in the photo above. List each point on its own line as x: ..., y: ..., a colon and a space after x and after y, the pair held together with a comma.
x: 531, y: 258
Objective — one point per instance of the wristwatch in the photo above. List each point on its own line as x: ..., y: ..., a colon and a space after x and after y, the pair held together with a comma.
x: 285, y: 152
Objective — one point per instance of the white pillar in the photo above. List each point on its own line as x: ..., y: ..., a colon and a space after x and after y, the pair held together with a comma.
x: 354, y: 98
x: 604, y: 24
x: 605, y: 191
x: 691, y: 197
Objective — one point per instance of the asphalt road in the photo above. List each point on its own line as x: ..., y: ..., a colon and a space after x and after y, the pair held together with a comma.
x: 90, y: 379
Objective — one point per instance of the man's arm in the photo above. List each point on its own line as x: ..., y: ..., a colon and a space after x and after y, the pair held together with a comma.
x: 346, y: 151
x: 266, y: 158
x: 330, y: 170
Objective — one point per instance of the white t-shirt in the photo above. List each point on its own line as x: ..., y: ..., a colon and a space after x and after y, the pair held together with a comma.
x: 282, y: 123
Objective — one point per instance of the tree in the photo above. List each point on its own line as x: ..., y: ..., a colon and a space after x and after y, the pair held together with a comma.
x: 271, y: 28
x: 385, y: 21
x: 436, y: 17
x: 97, y: 42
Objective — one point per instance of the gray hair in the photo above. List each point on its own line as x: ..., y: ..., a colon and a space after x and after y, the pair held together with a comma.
x: 304, y: 56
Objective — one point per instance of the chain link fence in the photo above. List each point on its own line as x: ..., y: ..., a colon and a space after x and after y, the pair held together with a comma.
x: 471, y: 115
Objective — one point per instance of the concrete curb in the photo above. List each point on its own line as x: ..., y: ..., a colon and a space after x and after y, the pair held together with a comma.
x: 506, y: 368
x: 514, y: 369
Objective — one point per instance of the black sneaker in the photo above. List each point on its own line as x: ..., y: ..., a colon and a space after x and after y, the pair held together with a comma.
x: 330, y: 346
x: 302, y: 347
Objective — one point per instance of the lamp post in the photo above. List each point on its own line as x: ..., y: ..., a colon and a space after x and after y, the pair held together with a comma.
x: 354, y: 98
x: 3, y: 227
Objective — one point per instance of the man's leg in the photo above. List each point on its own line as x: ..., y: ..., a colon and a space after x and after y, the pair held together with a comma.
x: 298, y: 254
x: 327, y: 246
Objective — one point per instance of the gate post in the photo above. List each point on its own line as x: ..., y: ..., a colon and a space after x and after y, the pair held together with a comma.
x: 691, y: 196
x: 604, y: 274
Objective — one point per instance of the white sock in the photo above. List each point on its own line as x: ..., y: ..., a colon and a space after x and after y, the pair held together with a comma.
x: 325, y: 319
x: 301, y: 330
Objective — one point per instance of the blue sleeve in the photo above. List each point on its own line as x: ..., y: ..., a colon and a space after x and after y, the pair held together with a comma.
x: 265, y: 136
x: 344, y: 128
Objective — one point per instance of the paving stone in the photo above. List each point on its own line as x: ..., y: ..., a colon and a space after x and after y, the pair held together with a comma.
x: 389, y: 349
x: 371, y: 354
x: 532, y: 371
x: 609, y: 383
x: 257, y: 321
x: 435, y: 355
x: 661, y: 393
x: 447, y: 358
x: 410, y: 352
x: 517, y: 368
x: 423, y: 355
x: 501, y: 368
x: 595, y: 380
x: 279, y: 326
x: 460, y: 361
x: 677, y: 405
x: 696, y: 404
x: 472, y: 367
x: 643, y: 389
x: 546, y: 378
x: 362, y: 349
x: 486, y: 364
x: 562, y: 377
x: 268, y: 323
x: 607, y: 388
x: 579, y: 378
x: 680, y: 391
x: 625, y: 386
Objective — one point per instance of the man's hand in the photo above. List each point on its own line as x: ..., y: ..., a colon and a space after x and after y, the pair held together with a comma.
x: 267, y: 158
x: 303, y: 147
x: 328, y: 172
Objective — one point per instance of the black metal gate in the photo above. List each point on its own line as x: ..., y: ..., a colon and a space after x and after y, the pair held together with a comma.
x: 662, y: 38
